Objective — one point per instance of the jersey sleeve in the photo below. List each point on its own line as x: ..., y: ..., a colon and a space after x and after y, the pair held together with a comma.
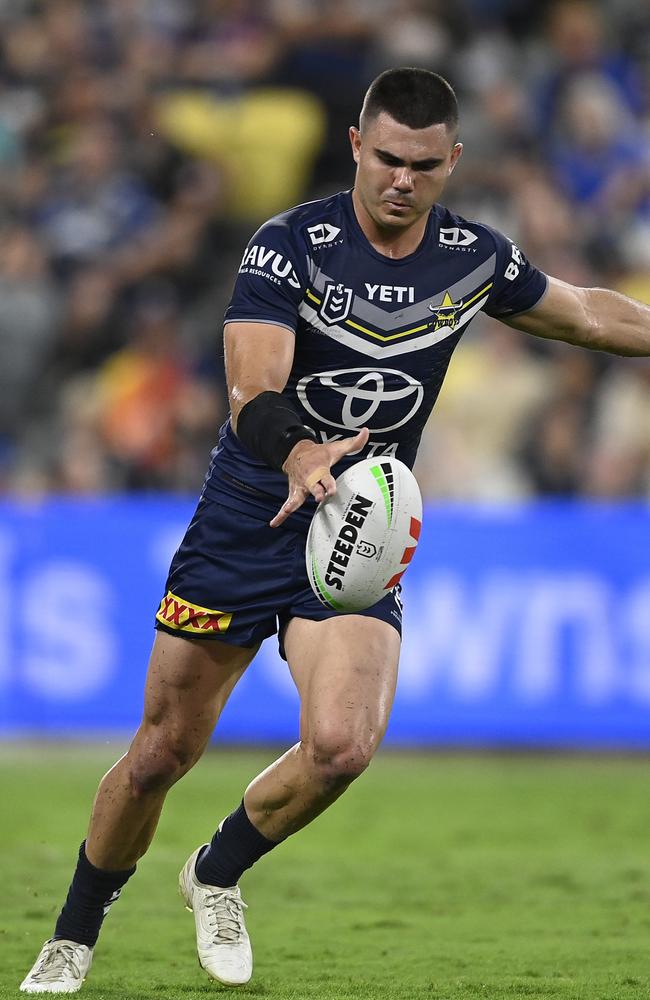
x: 272, y: 279
x: 518, y: 284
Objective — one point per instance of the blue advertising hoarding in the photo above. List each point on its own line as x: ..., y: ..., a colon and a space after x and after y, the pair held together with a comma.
x: 524, y: 625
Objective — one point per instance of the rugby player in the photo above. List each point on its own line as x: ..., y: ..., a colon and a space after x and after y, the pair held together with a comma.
x: 344, y: 317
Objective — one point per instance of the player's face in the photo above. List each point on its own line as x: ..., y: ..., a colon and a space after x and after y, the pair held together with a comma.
x: 401, y: 171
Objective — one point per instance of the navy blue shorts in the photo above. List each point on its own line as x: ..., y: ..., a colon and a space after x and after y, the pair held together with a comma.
x: 236, y: 579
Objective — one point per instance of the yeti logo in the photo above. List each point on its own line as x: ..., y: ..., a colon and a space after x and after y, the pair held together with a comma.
x: 336, y: 304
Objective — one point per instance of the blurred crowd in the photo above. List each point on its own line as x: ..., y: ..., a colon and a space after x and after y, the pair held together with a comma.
x: 143, y: 141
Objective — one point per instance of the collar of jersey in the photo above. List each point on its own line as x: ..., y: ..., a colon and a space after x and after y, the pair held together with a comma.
x: 363, y: 239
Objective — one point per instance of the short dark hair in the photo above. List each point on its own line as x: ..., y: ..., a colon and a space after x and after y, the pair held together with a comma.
x: 413, y: 97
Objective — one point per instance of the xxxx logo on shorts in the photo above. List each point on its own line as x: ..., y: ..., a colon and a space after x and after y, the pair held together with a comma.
x: 178, y: 614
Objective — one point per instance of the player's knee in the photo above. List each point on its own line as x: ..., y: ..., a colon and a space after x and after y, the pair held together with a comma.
x: 159, y: 766
x: 339, y: 761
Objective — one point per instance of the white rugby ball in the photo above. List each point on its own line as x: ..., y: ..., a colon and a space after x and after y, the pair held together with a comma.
x: 362, y: 539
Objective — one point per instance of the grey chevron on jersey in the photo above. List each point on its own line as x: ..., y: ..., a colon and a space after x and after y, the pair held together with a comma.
x: 373, y: 349
x: 381, y: 319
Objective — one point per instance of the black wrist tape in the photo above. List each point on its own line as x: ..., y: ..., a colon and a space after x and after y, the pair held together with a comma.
x: 269, y: 427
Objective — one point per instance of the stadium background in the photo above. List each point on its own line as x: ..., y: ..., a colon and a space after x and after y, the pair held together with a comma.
x: 141, y: 142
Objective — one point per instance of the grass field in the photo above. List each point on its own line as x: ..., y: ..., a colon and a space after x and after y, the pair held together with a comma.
x: 434, y: 877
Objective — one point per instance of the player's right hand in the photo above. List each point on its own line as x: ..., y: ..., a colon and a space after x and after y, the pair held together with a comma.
x: 308, y: 468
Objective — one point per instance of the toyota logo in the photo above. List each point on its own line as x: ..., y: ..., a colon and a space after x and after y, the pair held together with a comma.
x: 357, y: 394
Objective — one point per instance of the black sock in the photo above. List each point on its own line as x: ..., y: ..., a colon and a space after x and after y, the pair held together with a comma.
x: 91, y: 893
x: 234, y: 848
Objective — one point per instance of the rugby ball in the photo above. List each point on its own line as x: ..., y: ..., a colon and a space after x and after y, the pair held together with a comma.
x: 362, y: 539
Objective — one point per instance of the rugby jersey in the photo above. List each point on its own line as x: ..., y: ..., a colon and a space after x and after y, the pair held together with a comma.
x: 374, y: 335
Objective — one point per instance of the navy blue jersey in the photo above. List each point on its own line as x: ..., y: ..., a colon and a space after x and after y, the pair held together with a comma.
x: 374, y: 335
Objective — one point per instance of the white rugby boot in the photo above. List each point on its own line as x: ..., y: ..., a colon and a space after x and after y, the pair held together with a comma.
x: 61, y: 967
x: 222, y: 942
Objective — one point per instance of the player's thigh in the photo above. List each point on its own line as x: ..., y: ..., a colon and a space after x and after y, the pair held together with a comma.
x: 345, y: 669
x: 188, y: 683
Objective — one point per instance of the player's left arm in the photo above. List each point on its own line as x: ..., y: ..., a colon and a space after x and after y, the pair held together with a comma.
x: 597, y: 318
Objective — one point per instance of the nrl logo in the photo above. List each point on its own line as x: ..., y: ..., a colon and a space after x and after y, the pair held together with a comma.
x: 366, y: 549
x: 336, y: 304
x: 446, y: 314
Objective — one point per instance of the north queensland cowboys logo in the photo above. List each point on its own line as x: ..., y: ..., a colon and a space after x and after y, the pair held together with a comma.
x: 446, y: 314
x: 380, y: 399
x: 336, y: 304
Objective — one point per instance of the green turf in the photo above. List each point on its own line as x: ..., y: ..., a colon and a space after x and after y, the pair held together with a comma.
x: 434, y: 877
